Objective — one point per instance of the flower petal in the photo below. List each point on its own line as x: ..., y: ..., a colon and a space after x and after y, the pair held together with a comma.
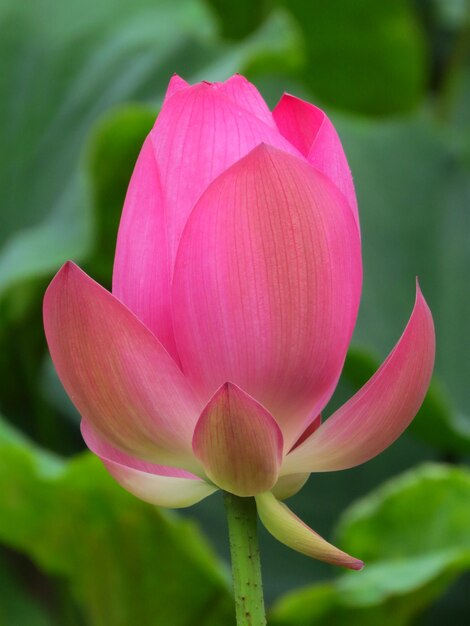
x: 141, y: 276
x: 238, y: 442
x: 117, y: 373
x: 198, y: 134
x: 267, y: 285
x: 168, y: 491
x: 308, y: 128
x: 287, y: 528
x: 245, y: 94
x: 287, y: 486
x: 311, y: 428
x: 163, y: 486
x: 176, y: 84
x: 379, y: 412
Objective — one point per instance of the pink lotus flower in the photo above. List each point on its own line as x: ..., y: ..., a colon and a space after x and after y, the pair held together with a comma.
x: 236, y: 287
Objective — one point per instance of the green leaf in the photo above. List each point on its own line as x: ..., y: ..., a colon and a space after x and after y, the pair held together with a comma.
x: 239, y: 19
x: 364, y: 56
x: 413, y: 187
x: 413, y: 533
x: 126, y: 562
x: 390, y: 523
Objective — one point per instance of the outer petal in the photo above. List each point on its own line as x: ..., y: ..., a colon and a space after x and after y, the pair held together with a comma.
x: 198, y: 134
x: 379, y: 412
x: 238, y: 442
x: 157, y: 484
x: 117, y: 373
x: 310, y: 131
x: 245, y: 94
x: 267, y: 286
x: 287, y: 528
x: 141, y: 276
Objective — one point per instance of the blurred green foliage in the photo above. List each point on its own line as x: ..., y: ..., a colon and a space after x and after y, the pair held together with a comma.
x: 80, y: 87
x: 126, y: 562
x: 365, y: 56
x: 414, y: 534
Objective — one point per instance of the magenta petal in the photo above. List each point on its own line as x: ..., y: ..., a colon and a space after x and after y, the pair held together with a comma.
x: 176, y: 84
x: 107, y: 452
x: 141, y: 276
x: 245, y: 94
x: 308, y: 128
x: 163, y: 486
x: 117, y: 373
x: 379, y: 412
x: 198, y: 134
x: 238, y: 442
x: 287, y: 528
x: 267, y: 285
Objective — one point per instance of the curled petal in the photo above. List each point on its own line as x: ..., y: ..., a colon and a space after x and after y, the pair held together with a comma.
x: 287, y: 528
x: 267, y: 285
x: 308, y: 128
x: 117, y: 373
x: 238, y: 442
x: 379, y: 412
x: 163, y: 486
x: 198, y: 134
x: 141, y: 276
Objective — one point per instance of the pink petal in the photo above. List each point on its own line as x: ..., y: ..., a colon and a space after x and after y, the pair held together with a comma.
x: 267, y: 285
x: 176, y: 84
x: 311, y: 132
x: 379, y: 412
x: 287, y: 528
x: 238, y: 442
x: 166, y: 491
x: 245, y: 94
x: 117, y: 373
x: 141, y: 276
x: 198, y: 134
x: 163, y: 486
x: 107, y: 452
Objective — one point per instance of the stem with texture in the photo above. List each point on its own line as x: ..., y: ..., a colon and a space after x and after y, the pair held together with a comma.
x: 246, y: 565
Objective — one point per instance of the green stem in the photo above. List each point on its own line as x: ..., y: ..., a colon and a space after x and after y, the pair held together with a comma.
x: 246, y: 565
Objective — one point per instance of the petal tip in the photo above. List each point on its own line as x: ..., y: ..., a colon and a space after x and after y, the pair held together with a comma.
x: 61, y: 278
x: 418, y: 287
x: 68, y: 269
x: 422, y: 305
x: 265, y: 153
x: 238, y: 442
